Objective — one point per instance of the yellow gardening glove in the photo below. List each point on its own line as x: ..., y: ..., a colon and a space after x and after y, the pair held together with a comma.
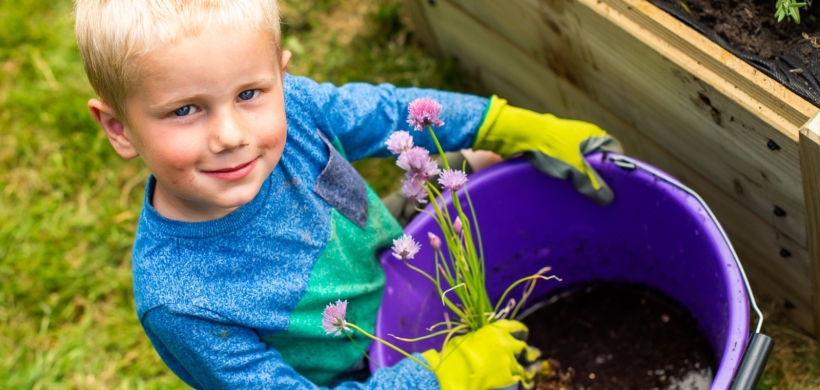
x: 555, y: 146
x: 485, y: 359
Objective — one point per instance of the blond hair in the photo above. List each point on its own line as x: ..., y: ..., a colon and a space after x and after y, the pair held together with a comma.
x: 113, y: 34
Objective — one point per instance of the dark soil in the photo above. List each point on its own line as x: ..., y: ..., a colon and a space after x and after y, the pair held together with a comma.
x: 749, y: 25
x: 618, y: 336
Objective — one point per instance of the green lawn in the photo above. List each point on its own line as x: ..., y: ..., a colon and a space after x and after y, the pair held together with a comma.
x: 68, y: 203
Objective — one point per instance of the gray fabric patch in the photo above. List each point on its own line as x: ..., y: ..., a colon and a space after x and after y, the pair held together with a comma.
x: 557, y: 168
x: 601, y: 144
x: 342, y: 187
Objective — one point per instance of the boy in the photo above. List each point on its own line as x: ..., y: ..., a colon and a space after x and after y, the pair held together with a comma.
x: 253, y: 219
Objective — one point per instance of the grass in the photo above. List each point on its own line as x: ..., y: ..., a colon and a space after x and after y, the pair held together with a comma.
x: 795, y: 361
x: 68, y: 203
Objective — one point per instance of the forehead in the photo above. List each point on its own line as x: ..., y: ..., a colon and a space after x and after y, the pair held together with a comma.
x: 211, y: 61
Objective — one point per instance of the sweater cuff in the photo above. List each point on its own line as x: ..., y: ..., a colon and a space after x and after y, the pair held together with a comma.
x: 406, y: 374
x: 424, y: 378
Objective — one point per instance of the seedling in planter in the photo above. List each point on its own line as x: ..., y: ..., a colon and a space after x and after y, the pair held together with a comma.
x: 788, y: 8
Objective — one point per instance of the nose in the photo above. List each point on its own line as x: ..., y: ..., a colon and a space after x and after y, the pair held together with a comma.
x: 229, y: 131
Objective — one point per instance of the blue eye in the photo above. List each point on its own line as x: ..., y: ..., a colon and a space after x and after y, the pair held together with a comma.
x: 183, y: 111
x: 248, y: 95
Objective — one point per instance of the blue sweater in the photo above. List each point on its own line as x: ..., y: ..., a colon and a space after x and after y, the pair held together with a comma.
x: 236, y: 302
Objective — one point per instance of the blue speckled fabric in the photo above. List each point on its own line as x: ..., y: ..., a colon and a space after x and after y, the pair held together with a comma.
x: 207, y: 291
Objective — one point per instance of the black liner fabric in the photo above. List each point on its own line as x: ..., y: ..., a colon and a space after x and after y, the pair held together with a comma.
x: 802, y: 83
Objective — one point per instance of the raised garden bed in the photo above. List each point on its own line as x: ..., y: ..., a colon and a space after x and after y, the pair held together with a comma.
x: 676, y: 100
x: 785, y: 51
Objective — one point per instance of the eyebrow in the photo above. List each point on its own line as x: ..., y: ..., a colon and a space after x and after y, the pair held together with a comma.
x: 174, y: 102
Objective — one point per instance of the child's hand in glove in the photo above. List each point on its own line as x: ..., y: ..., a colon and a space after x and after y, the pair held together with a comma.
x: 489, y: 358
x: 555, y: 146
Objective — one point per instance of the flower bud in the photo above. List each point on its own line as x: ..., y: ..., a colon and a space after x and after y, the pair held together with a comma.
x: 457, y: 225
x: 435, y: 242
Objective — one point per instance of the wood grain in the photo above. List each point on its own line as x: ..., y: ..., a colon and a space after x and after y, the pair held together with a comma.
x: 421, y: 27
x: 700, y: 118
x: 810, y: 162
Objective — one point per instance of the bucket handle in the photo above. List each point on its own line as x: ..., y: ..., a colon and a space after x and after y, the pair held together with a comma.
x: 754, y: 361
x: 760, y: 346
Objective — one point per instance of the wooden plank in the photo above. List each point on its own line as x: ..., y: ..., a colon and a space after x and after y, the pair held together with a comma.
x: 699, y: 123
x: 810, y: 163
x: 758, y: 241
x: 765, y: 288
x: 518, y: 19
x: 421, y: 26
x: 731, y: 143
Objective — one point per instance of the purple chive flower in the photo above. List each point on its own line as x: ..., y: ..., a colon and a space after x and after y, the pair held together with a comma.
x: 413, y: 190
x: 452, y: 179
x: 457, y: 226
x: 399, y: 142
x: 414, y: 160
x: 333, y: 318
x: 424, y: 112
x: 405, y: 247
x: 435, y: 242
x: 429, y: 170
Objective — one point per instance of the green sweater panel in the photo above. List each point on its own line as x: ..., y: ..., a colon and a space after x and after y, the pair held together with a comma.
x: 347, y: 269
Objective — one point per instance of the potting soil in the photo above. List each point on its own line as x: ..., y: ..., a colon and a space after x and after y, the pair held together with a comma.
x: 620, y: 336
x: 785, y: 51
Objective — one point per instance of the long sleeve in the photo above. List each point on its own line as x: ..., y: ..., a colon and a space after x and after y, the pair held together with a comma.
x: 363, y: 116
x: 208, y: 352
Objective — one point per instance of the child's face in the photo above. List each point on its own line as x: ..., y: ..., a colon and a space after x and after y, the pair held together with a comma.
x: 207, y: 116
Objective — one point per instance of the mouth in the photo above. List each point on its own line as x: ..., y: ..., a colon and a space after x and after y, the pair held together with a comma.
x: 234, y: 173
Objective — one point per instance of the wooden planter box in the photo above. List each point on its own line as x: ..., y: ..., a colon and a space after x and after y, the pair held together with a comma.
x: 675, y: 100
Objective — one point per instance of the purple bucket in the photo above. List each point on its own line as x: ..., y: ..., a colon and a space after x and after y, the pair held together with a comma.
x: 656, y: 232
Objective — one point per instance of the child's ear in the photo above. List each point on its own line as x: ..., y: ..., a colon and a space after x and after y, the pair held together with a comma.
x: 114, y: 128
x: 285, y: 60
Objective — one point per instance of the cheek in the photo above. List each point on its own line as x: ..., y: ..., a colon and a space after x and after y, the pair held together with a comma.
x: 273, y: 135
x: 174, y: 156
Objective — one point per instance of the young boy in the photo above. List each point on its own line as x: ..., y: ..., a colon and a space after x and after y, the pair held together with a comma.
x: 253, y: 218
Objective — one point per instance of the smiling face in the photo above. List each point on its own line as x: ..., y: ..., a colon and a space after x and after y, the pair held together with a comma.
x: 207, y: 116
